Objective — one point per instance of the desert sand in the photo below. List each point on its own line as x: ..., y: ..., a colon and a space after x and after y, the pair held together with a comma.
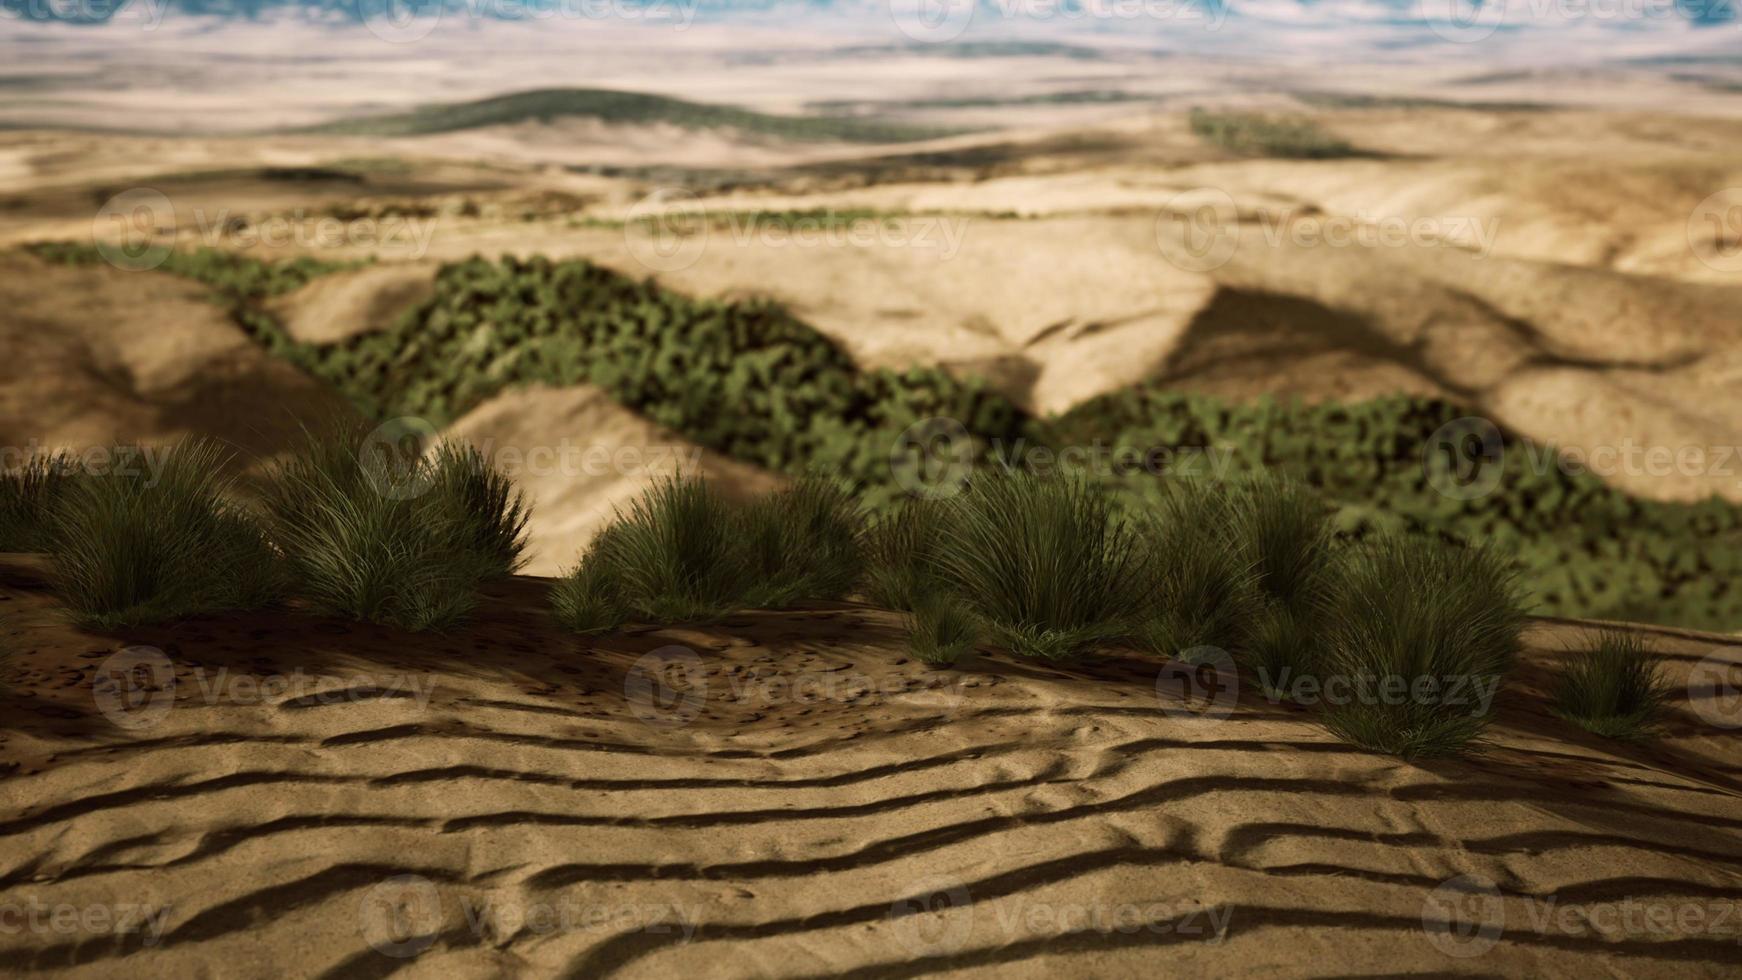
x: 511, y: 799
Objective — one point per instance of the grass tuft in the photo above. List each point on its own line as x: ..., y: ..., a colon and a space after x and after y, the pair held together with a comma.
x: 901, y: 554
x: 27, y: 499
x: 398, y: 539
x: 1043, y: 561
x: 1201, y: 587
x: 158, y: 537
x: 589, y: 599
x: 1421, y: 634
x: 942, y: 631
x: 806, y: 542
x: 1616, y: 689
x: 679, y: 554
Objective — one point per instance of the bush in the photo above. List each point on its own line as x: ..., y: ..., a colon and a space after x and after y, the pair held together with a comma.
x: 1283, y: 530
x: 590, y: 598
x: 942, y: 631
x: 402, y: 541
x: 901, y: 550
x: 1043, y: 562
x: 27, y: 499
x: 679, y: 554
x: 1616, y: 690
x: 806, y: 542
x: 1441, y: 621
x: 1201, y: 589
x: 154, y: 540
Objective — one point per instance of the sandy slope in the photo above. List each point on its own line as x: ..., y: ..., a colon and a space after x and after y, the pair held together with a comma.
x: 1043, y: 823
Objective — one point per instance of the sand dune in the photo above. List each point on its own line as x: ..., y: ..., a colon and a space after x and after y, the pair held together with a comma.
x: 1041, y: 821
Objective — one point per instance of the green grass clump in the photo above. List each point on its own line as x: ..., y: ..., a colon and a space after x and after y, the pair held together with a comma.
x: 157, y: 537
x: 1616, y: 689
x: 806, y: 542
x: 1419, y: 635
x: 942, y: 632
x: 28, y: 494
x: 1254, y: 134
x: 1045, y: 563
x: 901, y: 554
x: 1201, y: 588
x: 402, y: 540
x: 590, y: 598
x: 679, y: 554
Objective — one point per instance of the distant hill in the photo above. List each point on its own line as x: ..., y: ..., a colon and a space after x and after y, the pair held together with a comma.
x: 606, y: 105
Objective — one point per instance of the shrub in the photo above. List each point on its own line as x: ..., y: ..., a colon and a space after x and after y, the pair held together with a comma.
x: 154, y: 540
x: 590, y: 598
x: 901, y: 554
x: 1043, y: 562
x: 1200, y: 585
x: 27, y: 499
x: 942, y: 631
x: 679, y: 553
x: 1616, y: 689
x: 1283, y: 530
x: 1260, y: 135
x: 1443, y: 622
x: 402, y: 541
x: 806, y: 542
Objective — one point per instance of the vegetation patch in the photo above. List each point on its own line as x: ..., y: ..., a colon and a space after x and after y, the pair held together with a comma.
x: 1254, y: 134
x: 1615, y: 689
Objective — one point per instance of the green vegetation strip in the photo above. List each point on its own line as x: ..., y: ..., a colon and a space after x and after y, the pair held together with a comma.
x: 750, y: 380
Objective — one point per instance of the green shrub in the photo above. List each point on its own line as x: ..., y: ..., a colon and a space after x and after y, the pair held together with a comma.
x: 158, y: 538
x: 28, y: 495
x: 398, y: 540
x: 1616, y: 689
x: 679, y: 554
x: 1255, y: 134
x: 901, y: 554
x: 1200, y: 586
x: 589, y: 599
x: 1043, y: 562
x: 1283, y: 530
x: 1280, y: 648
x: 942, y: 632
x: 1438, y: 621
x: 806, y: 542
